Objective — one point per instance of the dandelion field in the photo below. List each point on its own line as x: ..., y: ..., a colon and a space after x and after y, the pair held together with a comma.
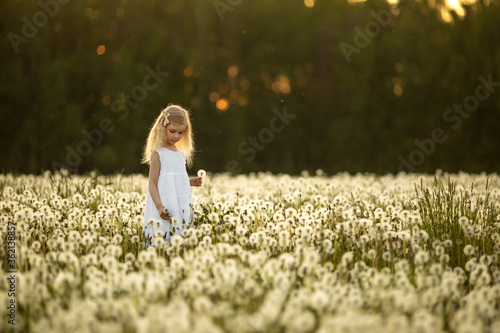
x: 268, y: 253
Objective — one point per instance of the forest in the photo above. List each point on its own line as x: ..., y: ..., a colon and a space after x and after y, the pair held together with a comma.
x: 272, y: 85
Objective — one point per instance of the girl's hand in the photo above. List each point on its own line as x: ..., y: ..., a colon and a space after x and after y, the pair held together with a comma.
x: 164, y: 213
x: 195, y: 181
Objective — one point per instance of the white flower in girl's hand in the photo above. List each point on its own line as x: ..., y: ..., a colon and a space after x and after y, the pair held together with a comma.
x: 165, y: 211
x: 202, y: 173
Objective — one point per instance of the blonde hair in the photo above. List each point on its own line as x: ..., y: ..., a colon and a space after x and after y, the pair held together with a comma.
x: 157, y: 134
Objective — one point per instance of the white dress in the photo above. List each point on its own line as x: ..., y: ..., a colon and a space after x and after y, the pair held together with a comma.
x: 175, y: 194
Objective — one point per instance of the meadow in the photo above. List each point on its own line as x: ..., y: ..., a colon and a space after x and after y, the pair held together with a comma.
x: 267, y: 253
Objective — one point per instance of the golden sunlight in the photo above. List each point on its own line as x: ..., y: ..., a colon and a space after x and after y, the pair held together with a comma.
x: 309, y: 3
x: 445, y: 10
x: 456, y: 5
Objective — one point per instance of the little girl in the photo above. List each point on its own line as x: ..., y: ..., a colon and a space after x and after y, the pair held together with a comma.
x: 169, y: 148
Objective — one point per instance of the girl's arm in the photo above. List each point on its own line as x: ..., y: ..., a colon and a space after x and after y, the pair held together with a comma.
x: 154, y: 172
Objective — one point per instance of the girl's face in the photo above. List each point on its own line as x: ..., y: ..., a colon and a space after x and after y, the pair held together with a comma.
x: 174, y: 133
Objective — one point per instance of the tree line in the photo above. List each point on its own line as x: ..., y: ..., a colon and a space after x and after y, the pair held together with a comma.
x: 272, y: 85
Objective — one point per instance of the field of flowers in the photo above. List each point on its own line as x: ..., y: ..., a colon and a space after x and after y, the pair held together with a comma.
x: 268, y: 253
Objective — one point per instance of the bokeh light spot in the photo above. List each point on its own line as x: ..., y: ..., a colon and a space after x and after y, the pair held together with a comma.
x: 398, y: 90
x: 101, y: 49
x: 282, y: 84
x: 232, y: 71
x: 106, y: 100
x: 222, y: 104
x: 309, y: 3
x: 120, y: 11
x: 214, y: 96
x: 188, y: 71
